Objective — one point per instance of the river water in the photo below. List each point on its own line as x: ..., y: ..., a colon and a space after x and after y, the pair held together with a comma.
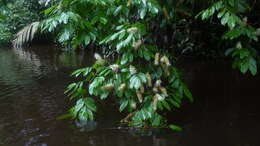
x: 32, y: 82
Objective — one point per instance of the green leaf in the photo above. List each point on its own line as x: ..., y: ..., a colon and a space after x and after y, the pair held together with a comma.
x: 142, y: 77
x: 90, y: 103
x: 64, y: 18
x: 175, y: 128
x: 86, y: 40
x: 147, y: 55
x: 142, y: 113
x: 231, y: 2
x: 90, y: 114
x: 135, y: 82
x: 65, y: 116
x: 64, y: 36
x: 117, y: 10
x: 221, y: 13
x: 87, y: 71
x: 225, y: 19
x: 253, y: 66
x: 166, y: 105
x: 124, y: 59
x: 77, y: 72
x: 176, y: 104
x: 79, y: 105
x: 104, y: 95
x: 156, y: 121
x: 243, y: 67
x: 187, y: 92
x: 128, y: 39
x: 97, y: 82
x: 229, y: 51
x: 105, y: 72
x: 114, y: 36
x: 123, y: 105
x: 103, y: 20
x: 142, y: 13
x: 83, y: 113
x: 70, y: 87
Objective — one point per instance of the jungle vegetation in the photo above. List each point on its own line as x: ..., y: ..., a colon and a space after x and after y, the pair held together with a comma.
x: 141, y: 41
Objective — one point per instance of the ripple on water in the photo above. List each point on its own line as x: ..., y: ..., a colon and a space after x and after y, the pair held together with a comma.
x: 28, y: 108
x: 31, y: 97
x: 8, y: 91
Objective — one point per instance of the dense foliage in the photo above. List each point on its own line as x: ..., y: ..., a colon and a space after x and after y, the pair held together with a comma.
x: 144, y: 81
x: 240, y: 31
x: 16, y: 14
x: 139, y: 38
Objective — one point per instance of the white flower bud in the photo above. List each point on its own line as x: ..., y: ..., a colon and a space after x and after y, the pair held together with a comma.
x: 155, y: 90
x: 165, y: 60
x: 245, y: 19
x: 149, y: 79
x: 257, y: 32
x: 156, y: 59
x: 158, y: 83
x: 166, y: 70
x: 164, y: 91
x: 137, y: 44
x: 162, y: 60
x: 239, y: 45
x: 108, y: 87
x: 122, y: 87
x: 129, y: 3
x: 100, y: 62
x: 97, y: 56
x: 159, y: 97
x: 155, y: 101
x: 114, y: 67
x: 99, y: 59
x: 244, y: 22
x: 133, y: 105
x: 132, y: 30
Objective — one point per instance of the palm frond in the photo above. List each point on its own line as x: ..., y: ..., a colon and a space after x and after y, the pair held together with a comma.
x: 26, y: 34
x: 45, y: 2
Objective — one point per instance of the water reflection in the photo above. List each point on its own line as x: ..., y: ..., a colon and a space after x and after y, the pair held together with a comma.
x: 31, y: 92
x: 225, y: 112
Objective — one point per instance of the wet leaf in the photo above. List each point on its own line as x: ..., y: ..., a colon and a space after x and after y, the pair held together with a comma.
x: 175, y: 128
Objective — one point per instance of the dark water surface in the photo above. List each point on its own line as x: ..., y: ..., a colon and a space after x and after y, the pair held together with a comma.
x: 225, y: 111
